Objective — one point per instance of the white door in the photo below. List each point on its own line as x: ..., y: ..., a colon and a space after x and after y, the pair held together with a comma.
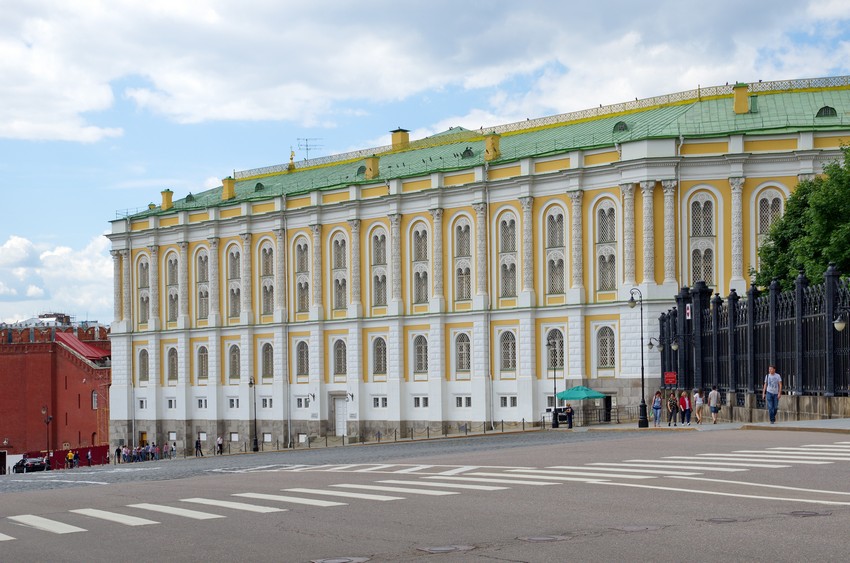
x: 340, y: 415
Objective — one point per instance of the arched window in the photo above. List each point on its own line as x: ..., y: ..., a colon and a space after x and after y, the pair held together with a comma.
x: 420, y: 354
x: 338, y: 252
x: 463, y: 352
x: 267, y: 279
x: 340, y: 359
x: 507, y: 343
x: 144, y: 290
x: 605, y: 348
x: 268, y: 297
x: 235, y: 302
x: 203, y: 267
x: 203, y: 363
x: 144, y: 308
x: 702, y: 241
x: 379, y: 289
x: 827, y: 111
x: 234, y: 363
x: 202, y: 270
x: 770, y: 209
x: 606, y: 246
x: 144, y: 273
x: 339, y: 272
x: 379, y: 248
x: 268, y: 360
x: 340, y: 294
x: 302, y: 359
x: 464, y: 283
x: 463, y: 260
x: 421, y: 266
x: 379, y: 362
x: 94, y: 400
x: 234, y: 268
x: 267, y: 261
x: 172, y: 364
x: 555, y: 252
x: 507, y: 255
x: 144, y: 374
x: 555, y: 338
x: 302, y: 276
x: 172, y: 286
x: 378, y: 271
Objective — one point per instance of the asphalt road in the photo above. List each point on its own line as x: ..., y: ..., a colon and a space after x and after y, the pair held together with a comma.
x: 547, y: 496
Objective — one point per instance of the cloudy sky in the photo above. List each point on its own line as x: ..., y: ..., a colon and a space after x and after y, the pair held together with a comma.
x: 103, y: 104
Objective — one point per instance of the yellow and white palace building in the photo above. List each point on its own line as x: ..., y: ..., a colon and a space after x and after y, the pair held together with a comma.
x: 420, y: 283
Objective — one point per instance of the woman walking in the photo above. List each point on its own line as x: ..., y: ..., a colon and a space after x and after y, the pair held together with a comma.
x: 672, y: 409
x: 656, y: 409
x: 685, y: 407
x: 698, y: 402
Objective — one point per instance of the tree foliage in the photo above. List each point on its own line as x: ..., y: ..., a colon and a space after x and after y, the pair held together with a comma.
x: 814, y: 231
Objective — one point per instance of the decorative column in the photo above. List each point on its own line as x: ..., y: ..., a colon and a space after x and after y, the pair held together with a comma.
x: 355, y: 267
x: 215, y: 301
x: 126, y: 307
x: 527, y: 246
x: 153, y: 272
x: 577, y: 263
x: 395, y: 258
x: 246, y: 283
x: 183, y: 280
x: 438, y: 298
x: 628, y: 192
x: 317, y: 268
x: 669, y: 187
x: 481, y: 249
x: 647, y: 189
x: 116, y: 285
x: 736, y: 281
x: 280, y: 274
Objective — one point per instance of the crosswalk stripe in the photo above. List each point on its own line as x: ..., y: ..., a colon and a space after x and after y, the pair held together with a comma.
x: 4, y: 537
x: 396, y: 490
x: 689, y: 459
x: 488, y: 480
x: 346, y: 467
x: 414, y: 469
x: 114, y: 517
x: 459, y: 470
x: 447, y: 485
x: 293, y: 500
x: 743, y: 457
x: 829, y: 446
x: 234, y: 505
x: 842, y: 453
x: 722, y: 494
x: 618, y: 467
x: 45, y: 524
x: 176, y: 511
x: 570, y: 475
x: 748, y: 484
x: 376, y: 468
x: 675, y: 465
x: 345, y: 494
x: 788, y: 455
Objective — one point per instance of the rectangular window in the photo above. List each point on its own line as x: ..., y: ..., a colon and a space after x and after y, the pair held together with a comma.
x: 463, y: 401
x: 234, y: 436
x: 267, y: 402
x: 302, y: 402
x: 233, y: 402
x: 467, y: 402
x: 506, y: 401
x: 202, y: 403
x: 513, y: 401
x: 143, y: 403
x: 379, y: 402
x: 503, y: 401
x: 420, y: 402
x: 172, y: 403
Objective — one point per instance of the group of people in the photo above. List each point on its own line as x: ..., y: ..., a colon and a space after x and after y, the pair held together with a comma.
x: 72, y: 459
x: 148, y: 452
x: 680, y: 409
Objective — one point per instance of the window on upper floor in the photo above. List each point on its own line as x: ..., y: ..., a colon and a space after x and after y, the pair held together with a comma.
x: 606, y: 246
x: 463, y: 352
x: 507, y: 343
x: 379, y: 360
x: 172, y: 364
x: 268, y: 361
x: 605, y: 348
x: 420, y: 354
x: 302, y: 359
x: 507, y: 256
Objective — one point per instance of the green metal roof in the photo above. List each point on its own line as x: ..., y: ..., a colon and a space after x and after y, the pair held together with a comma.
x: 790, y: 106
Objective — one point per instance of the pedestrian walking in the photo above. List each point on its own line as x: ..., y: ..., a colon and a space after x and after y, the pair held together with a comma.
x: 117, y: 455
x: 685, y: 408
x: 771, y: 391
x: 219, y: 444
x: 568, y: 410
x: 88, y: 457
x: 672, y: 409
x: 714, y: 403
x: 698, y: 402
x: 173, y: 450
x: 656, y: 409
x: 198, y: 450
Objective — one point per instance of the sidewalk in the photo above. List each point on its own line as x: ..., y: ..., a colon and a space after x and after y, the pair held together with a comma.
x: 834, y: 425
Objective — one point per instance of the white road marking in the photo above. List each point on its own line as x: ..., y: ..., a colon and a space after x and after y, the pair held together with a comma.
x: 414, y: 469
x: 45, y: 524
x: 60, y: 481
x: 761, y: 454
x: 568, y: 475
x: 396, y: 490
x: 688, y: 459
x: 375, y: 468
x: 4, y: 537
x: 176, y: 511
x: 722, y: 494
x: 833, y: 452
x: 364, y: 496
x: 447, y: 485
x: 503, y: 481
x: 345, y: 467
x: 114, y: 517
x: 617, y: 467
x: 234, y: 505
x: 459, y: 470
x: 766, y: 485
x: 293, y: 500
x: 743, y: 457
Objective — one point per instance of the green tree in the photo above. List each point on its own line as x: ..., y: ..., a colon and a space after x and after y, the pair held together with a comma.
x: 814, y: 231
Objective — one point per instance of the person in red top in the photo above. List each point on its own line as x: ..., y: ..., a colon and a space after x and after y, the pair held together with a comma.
x: 685, y: 408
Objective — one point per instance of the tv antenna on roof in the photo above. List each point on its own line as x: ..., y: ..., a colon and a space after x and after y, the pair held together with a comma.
x: 306, y: 144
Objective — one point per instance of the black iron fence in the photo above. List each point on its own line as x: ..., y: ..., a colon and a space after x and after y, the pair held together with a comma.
x: 730, y: 343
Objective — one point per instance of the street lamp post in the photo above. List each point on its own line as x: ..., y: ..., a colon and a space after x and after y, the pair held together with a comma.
x: 255, y: 445
x: 47, y: 420
x: 550, y: 347
x: 643, y: 421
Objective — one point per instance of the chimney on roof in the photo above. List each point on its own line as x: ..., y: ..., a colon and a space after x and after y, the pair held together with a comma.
x: 228, y: 188
x: 401, y: 139
x: 741, y: 98
x: 372, y: 167
x: 491, y: 146
x: 166, y: 199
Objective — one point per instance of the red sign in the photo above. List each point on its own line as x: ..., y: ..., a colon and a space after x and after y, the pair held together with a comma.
x: 670, y: 378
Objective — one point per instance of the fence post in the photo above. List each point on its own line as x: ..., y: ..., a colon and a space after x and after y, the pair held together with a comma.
x: 800, y: 285
x: 717, y: 303
x: 773, y: 313
x: 732, y: 310
x: 700, y: 297
x: 830, y: 279
x: 683, y: 373
x: 752, y: 295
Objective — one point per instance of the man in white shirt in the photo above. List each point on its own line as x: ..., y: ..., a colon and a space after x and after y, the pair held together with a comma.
x: 771, y: 391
